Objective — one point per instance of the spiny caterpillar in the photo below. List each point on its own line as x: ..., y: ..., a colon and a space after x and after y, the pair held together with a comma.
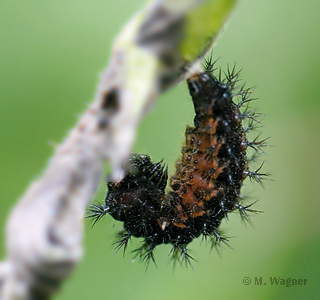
x: 208, y: 178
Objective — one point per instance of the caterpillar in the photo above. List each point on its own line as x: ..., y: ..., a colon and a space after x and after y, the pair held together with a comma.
x: 208, y: 178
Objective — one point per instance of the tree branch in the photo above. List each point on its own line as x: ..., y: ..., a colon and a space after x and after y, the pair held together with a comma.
x: 44, y: 231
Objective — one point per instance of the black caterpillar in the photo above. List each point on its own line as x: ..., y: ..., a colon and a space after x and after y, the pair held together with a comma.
x: 206, y: 185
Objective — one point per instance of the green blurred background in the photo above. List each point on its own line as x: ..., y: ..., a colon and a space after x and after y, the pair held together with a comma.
x: 51, y: 54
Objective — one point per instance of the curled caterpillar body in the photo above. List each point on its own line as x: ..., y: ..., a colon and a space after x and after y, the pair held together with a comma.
x: 207, y: 182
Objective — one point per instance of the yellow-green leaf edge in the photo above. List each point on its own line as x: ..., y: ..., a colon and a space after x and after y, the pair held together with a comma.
x: 203, y: 24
